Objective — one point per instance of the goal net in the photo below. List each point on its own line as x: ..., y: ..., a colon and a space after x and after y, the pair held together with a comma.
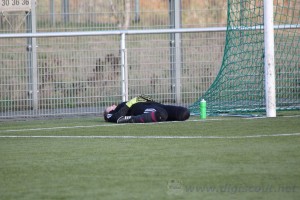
x: 239, y: 86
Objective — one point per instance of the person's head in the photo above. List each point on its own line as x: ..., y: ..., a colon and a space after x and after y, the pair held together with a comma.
x: 108, y: 110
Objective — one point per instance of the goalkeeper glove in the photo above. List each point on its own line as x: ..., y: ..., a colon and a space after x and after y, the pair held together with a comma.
x: 145, y: 97
x: 139, y: 99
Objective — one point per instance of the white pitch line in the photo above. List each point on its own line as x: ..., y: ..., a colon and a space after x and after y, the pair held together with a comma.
x: 147, y: 137
x: 113, y: 124
x: 56, y: 128
x: 101, y: 125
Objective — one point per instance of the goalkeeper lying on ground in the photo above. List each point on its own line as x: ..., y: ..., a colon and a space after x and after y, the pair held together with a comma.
x: 143, y: 109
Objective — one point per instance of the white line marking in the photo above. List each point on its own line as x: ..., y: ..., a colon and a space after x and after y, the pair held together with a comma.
x: 147, y: 137
x: 292, y: 116
x: 55, y: 128
x: 101, y: 125
x: 113, y: 124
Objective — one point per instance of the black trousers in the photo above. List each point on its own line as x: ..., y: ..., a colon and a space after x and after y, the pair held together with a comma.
x: 166, y: 112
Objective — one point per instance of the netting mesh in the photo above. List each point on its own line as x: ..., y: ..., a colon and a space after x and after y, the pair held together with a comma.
x: 239, y: 86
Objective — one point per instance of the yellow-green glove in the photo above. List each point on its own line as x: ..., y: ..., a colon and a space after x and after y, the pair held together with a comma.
x: 139, y: 99
x: 145, y: 97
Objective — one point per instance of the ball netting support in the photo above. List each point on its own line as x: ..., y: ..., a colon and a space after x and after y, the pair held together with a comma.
x: 260, y: 73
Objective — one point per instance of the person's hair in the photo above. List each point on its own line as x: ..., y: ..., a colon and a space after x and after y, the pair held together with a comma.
x: 105, y: 115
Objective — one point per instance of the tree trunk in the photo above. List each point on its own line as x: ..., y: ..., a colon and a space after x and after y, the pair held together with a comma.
x: 127, y: 13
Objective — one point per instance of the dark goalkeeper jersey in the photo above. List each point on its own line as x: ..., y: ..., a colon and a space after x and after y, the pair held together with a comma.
x: 174, y: 113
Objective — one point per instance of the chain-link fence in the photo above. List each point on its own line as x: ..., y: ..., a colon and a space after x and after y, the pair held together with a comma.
x: 82, y: 74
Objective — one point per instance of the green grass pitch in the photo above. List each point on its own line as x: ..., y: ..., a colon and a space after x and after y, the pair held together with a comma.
x: 218, y: 158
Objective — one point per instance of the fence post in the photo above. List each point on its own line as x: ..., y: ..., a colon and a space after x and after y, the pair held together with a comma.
x: 124, y: 70
x: 32, y: 57
x: 175, y: 50
x: 137, y: 11
x: 65, y: 10
x: 52, y: 12
x: 270, y: 91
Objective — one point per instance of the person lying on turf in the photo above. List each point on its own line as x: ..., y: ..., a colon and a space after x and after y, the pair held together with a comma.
x: 143, y: 109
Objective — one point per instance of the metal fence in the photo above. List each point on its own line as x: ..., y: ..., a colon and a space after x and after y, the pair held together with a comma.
x: 77, y: 57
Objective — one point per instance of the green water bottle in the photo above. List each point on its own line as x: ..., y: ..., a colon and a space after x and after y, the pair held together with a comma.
x: 202, y: 109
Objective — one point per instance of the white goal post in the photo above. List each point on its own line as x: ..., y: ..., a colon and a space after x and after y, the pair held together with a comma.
x: 269, y: 62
